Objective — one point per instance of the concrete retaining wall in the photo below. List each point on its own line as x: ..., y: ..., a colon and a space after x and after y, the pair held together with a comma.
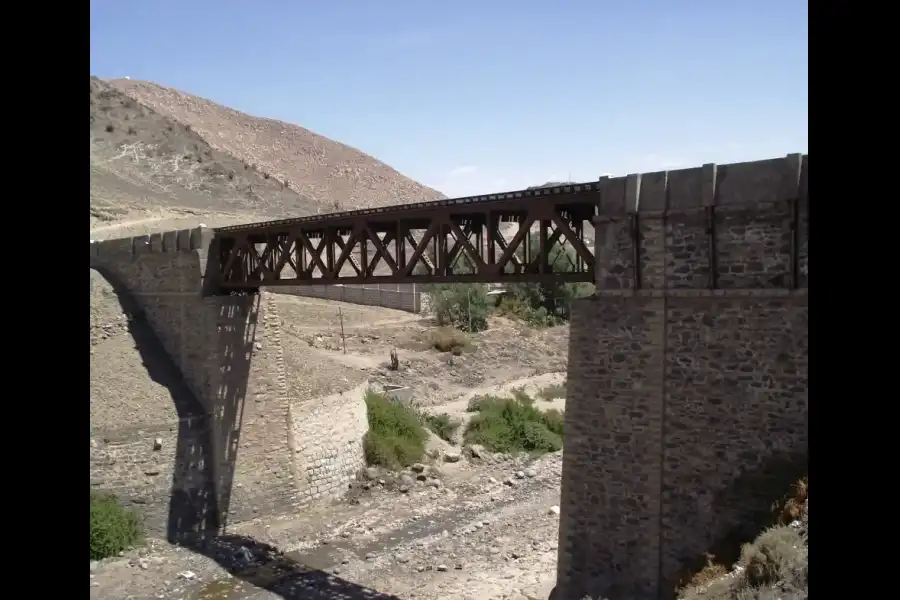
x: 394, y: 296
x: 328, y: 456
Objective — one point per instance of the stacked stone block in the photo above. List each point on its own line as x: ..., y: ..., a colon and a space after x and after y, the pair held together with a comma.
x: 240, y: 447
x: 688, y: 373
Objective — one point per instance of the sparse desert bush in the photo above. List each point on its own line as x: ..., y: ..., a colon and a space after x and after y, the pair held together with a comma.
x: 710, y: 572
x: 545, y: 305
x: 779, y: 554
x: 396, y: 436
x: 462, y: 306
x: 552, y: 392
x: 113, y: 528
x: 511, y: 424
x: 476, y: 401
x: 774, y: 566
x: 443, y: 425
x: 447, y: 339
x: 790, y: 507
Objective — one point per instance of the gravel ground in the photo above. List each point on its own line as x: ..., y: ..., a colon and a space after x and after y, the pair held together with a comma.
x: 475, y: 529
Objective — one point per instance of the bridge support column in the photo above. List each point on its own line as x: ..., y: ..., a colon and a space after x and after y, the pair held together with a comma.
x: 687, y: 399
x: 229, y: 352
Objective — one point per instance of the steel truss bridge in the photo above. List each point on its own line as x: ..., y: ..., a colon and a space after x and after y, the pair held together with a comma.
x: 447, y: 241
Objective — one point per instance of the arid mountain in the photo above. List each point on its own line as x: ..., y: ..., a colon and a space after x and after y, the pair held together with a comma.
x: 145, y: 163
x: 332, y: 175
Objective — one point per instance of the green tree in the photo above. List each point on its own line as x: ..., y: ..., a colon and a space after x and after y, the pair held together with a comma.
x: 547, y: 303
x: 464, y: 306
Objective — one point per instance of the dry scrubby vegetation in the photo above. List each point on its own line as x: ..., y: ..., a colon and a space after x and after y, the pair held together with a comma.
x: 331, y: 175
x: 774, y: 566
x: 113, y: 528
x: 143, y: 160
x: 397, y: 431
x: 466, y: 307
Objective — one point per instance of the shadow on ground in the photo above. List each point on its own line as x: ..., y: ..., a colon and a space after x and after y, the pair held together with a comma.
x: 267, y: 568
x: 205, y: 457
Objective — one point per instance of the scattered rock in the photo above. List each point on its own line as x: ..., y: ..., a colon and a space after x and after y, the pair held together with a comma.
x: 157, y: 444
x: 441, y: 568
x: 530, y: 473
x: 476, y: 450
x: 452, y: 457
x: 554, y: 510
x: 188, y: 575
x: 520, y: 474
x: 418, y: 468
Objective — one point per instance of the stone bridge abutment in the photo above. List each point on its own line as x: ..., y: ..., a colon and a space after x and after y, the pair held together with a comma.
x: 234, y: 459
x: 687, y: 400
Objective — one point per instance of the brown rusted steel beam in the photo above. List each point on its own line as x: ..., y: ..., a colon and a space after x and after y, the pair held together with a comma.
x: 314, y: 250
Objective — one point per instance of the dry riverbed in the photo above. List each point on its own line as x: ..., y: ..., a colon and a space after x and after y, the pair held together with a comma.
x: 464, y: 524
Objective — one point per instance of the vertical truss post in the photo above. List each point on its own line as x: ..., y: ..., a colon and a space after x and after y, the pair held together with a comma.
x: 363, y: 237
x: 490, y: 228
x: 543, y: 248
x: 329, y: 234
x: 579, y: 232
x: 442, y: 255
x: 400, y: 246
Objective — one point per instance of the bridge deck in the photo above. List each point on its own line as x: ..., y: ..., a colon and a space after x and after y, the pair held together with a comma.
x: 457, y: 240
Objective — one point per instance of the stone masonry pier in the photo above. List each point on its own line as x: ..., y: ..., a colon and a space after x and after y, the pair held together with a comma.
x: 233, y: 458
x: 687, y: 400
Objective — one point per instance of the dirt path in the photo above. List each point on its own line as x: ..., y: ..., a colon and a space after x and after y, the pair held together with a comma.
x: 125, y: 224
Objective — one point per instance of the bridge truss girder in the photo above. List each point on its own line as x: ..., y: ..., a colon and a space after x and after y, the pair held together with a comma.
x: 460, y: 243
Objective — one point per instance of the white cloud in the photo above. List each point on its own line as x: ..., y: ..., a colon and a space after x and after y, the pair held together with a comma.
x: 470, y: 180
x: 462, y: 171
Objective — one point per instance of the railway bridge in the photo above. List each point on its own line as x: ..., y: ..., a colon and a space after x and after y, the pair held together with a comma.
x: 687, y: 393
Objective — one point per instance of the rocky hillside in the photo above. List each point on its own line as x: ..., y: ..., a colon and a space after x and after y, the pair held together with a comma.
x: 332, y: 175
x: 143, y: 162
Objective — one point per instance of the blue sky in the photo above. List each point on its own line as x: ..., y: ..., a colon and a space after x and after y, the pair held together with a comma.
x: 476, y: 97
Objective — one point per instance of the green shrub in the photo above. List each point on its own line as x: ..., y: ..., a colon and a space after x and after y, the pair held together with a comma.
x: 545, y: 304
x: 476, y: 401
x: 443, y: 425
x: 464, y: 306
x: 513, y: 424
x: 447, y: 339
x: 113, y: 528
x: 522, y: 396
x: 554, y: 391
x: 396, y: 437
